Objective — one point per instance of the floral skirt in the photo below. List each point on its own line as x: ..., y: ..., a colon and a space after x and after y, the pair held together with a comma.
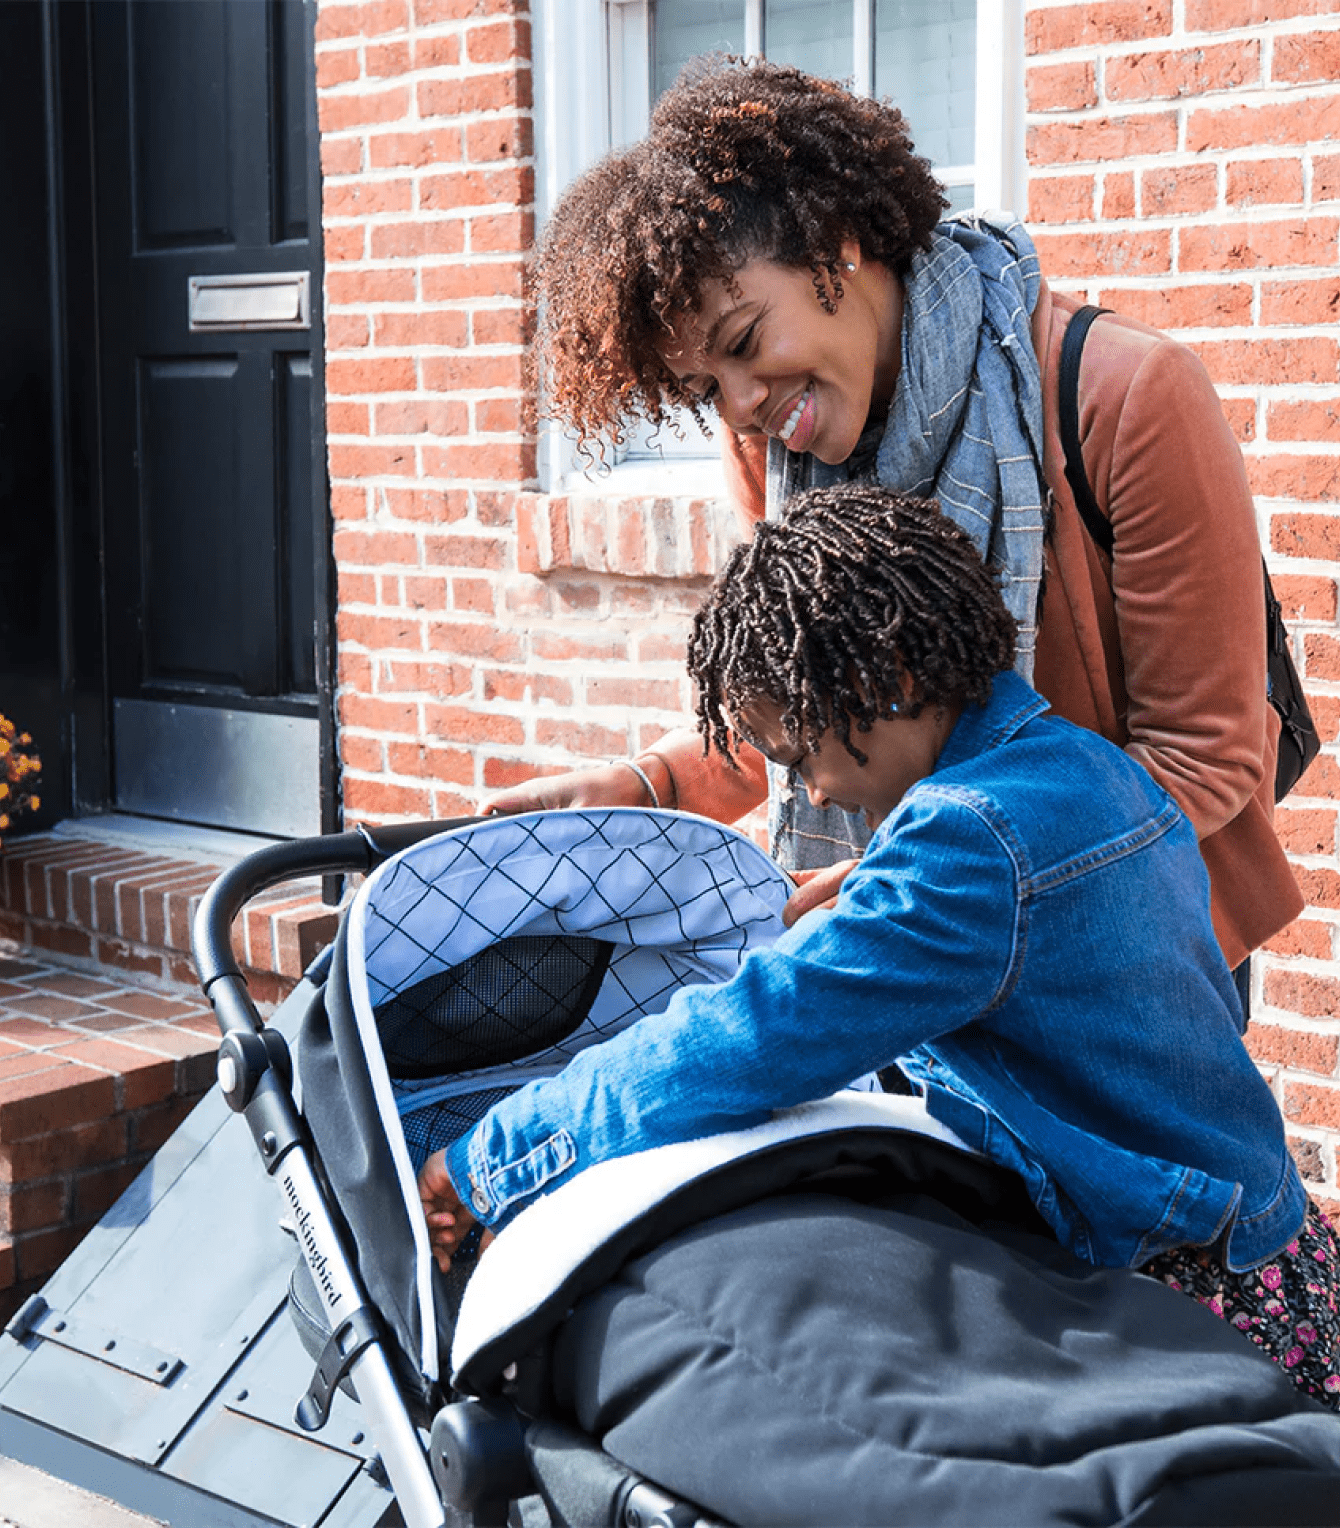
x: 1290, y: 1307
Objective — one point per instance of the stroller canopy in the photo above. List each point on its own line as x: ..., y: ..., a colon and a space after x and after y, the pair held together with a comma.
x: 670, y: 898
x: 489, y: 955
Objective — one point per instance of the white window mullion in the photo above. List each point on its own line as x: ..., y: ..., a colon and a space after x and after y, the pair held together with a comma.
x: 1001, y: 170
x: 571, y: 80
x: 863, y: 47
x: 755, y: 29
x: 630, y: 53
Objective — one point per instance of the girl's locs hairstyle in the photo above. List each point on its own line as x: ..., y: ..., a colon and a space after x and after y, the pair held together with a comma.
x: 743, y: 160
x: 826, y: 611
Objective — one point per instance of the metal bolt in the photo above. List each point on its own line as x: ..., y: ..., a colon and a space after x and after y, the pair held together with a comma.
x: 242, y: 1394
x: 269, y: 1143
x: 60, y: 1326
x: 109, y: 1345
x: 162, y: 1366
x: 357, y: 1439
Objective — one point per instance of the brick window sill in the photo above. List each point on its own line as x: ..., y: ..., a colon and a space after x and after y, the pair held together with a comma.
x: 628, y: 535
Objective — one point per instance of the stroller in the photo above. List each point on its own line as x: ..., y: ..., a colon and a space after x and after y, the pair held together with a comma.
x: 841, y: 1315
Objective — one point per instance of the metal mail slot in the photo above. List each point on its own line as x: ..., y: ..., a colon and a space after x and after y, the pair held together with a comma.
x: 260, y: 300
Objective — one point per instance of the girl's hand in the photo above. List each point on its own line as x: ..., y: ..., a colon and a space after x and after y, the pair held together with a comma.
x: 449, y: 1222
x: 815, y: 888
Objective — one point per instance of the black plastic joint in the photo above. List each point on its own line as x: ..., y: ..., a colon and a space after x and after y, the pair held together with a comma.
x: 26, y: 1317
x: 244, y: 1058
x: 274, y: 1123
x: 478, y: 1456
x: 353, y: 1335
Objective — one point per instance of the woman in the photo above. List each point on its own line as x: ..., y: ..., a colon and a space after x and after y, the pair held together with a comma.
x: 994, y: 941
x: 771, y: 250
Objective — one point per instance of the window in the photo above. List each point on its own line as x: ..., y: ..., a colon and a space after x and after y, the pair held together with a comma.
x: 600, y: 64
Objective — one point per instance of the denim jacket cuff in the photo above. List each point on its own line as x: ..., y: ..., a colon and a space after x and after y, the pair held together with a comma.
x: 494, y: 1194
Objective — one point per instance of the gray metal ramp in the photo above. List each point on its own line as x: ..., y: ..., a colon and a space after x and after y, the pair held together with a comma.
x: 163, y: 1371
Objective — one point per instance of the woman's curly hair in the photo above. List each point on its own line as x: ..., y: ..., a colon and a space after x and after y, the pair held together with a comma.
x: 744, y: 159
x: 828, y: 611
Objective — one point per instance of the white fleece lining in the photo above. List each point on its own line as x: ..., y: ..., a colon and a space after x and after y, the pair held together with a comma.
x: 555, y: 1235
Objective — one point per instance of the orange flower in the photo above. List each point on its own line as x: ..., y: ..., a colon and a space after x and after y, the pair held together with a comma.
x: 17, y: 766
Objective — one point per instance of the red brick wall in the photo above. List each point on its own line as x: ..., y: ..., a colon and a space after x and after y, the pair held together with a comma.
x: 1179, y: 170
x: 1183, y: 168
x: 485, y: 631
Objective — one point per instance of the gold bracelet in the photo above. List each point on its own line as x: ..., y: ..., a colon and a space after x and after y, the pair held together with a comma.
x: 650, y: 753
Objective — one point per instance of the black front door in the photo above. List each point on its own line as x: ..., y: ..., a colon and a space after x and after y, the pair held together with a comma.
x: 213, y: 465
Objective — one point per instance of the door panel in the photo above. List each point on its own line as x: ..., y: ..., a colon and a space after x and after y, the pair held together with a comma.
x: 292, y: 45
x: 181, y: 120
x: 203, y: 580
x: 211, y: 508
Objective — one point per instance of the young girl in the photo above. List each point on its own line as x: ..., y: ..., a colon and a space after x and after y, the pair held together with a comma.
x: 771, y: 254
x: 1027, y: 937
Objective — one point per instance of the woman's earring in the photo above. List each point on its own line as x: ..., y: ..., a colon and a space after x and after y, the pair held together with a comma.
x: 850, y: 265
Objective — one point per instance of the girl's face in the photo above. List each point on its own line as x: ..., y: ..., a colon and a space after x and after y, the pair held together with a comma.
x: 773, y: 361
x: 900, y: 751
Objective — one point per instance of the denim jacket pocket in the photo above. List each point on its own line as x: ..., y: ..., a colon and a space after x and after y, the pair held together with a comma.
x: 527, y: 1175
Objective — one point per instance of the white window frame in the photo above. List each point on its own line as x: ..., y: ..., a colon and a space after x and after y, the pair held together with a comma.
x: 593, y: 93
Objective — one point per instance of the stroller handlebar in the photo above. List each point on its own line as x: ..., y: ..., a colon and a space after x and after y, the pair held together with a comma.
x: 353, y: 853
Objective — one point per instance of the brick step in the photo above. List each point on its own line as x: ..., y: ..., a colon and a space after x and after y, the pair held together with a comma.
x: 105, y: 1039
x: 81, y: 897
x: 95, y: 1073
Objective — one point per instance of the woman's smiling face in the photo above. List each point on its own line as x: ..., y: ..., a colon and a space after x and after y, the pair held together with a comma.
x: 773, y: 361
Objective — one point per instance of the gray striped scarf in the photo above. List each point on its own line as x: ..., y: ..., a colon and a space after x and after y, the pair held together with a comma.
x: 964, y: 427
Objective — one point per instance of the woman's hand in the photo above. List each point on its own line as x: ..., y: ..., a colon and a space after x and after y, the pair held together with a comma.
x: 815, y: 888
x: 449, y: 1222
x: 605, y: 785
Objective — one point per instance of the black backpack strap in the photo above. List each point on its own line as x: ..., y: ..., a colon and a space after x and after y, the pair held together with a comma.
x: 1072, y: 348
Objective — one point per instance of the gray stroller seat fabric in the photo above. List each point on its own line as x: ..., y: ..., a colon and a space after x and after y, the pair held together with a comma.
x: 809, y: 1359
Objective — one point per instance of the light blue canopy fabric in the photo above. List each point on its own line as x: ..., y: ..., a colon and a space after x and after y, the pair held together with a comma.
x: 680, y: 899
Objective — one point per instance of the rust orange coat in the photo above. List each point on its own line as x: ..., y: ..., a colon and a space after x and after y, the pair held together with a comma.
x: 1163, y: 652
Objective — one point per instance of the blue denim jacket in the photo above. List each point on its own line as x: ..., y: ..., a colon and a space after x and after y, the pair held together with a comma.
x: 1029, y: 932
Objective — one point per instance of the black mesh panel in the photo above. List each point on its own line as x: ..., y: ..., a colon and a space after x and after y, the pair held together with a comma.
x: 513, y: 998
x: 446, y: 1120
